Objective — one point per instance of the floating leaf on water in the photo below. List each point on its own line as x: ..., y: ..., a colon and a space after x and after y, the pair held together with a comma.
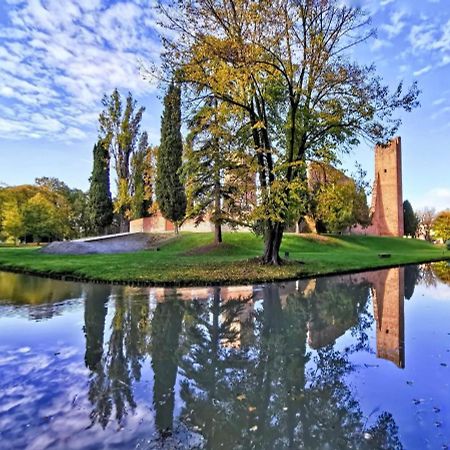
x: 241, y: 397
x: 251, y: 408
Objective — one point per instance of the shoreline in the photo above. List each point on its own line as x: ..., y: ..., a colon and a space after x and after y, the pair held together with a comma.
x: 61, y: 276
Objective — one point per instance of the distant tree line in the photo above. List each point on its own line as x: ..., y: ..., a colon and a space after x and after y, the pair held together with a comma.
x: 48, y: 210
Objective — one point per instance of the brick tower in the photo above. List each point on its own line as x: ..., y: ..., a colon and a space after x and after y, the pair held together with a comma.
x: 387, y: 197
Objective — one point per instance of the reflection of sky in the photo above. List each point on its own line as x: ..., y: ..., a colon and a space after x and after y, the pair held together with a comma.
x: 417, y: 396
x: 44, y: 386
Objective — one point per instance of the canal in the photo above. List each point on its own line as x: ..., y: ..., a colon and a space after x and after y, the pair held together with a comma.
x: 349, y: 361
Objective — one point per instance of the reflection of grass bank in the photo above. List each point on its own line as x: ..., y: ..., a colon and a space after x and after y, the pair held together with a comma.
x: 177, y: 263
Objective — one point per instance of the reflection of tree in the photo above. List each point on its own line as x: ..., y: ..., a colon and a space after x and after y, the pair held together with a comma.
x: 114, y: 371
x: 166, y: 329
x: 337, y: 305
x: 412, y: 276
x: 34, y: 290
x: 442, y: 271
x: 427, y: 276
x: 270, y: 395
x: 430, y: 274
x: 95, y: 310
x: 211, y: 369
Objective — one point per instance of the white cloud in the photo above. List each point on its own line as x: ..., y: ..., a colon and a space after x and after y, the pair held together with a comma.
x: 396, y: 25
x: 439, y: 101
x: 422, y: 71
x: 438, y: 198
x: 59, y: 58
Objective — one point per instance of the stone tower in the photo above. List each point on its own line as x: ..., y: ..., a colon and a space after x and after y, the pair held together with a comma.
x: 387, y: 197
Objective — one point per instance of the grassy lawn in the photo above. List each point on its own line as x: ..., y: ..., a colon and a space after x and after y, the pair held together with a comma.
x: 183, y: 262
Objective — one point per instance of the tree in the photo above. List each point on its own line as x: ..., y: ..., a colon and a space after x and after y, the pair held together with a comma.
x: 100, y: 202
x: 441, y: 225
x: 285, y: 65
x: 170, y: 192
x: 119, y: 130
x: 142, y: 179
x: 426, y: 218
x: 338, y: 202
x: 46, y: 218
x: 12, y: 221
x: 78, y: 203
x: 216, y: 170
x: 410, y: 219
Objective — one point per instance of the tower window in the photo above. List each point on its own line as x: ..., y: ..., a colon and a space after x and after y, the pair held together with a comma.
x: 385, y: 170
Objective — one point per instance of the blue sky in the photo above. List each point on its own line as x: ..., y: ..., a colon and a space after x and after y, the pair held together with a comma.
x: 58, y: 58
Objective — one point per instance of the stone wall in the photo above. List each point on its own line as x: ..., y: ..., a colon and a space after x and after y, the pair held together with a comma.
x: 157, y: 224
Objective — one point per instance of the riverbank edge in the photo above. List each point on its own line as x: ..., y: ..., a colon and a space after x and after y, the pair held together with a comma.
x: 62, y: 276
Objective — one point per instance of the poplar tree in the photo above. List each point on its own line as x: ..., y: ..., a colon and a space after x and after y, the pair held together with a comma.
x: 142, y: 179
x: 119, y: 125
x: 100, y: 201
x: 170, y: 192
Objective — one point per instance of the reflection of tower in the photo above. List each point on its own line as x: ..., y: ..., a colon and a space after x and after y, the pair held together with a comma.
x: 388, y: 306
x: 387, y: 197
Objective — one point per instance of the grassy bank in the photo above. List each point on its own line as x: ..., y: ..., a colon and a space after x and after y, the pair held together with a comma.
x: 189, y: 261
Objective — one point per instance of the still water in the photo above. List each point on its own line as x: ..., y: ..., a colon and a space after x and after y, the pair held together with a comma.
x: 354, y: 361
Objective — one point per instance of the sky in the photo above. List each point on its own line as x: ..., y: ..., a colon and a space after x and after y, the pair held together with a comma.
x: 58, y: 58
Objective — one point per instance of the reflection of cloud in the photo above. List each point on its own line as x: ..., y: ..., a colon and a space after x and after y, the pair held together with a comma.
x: 441, y: 292
x: 44, y: 402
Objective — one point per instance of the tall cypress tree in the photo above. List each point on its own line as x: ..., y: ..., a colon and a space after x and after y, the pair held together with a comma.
x: 170, y: 192
x: 100, y: 201
x: 410, y: 219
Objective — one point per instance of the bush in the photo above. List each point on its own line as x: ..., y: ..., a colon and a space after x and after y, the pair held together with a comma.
x: 448, y: 244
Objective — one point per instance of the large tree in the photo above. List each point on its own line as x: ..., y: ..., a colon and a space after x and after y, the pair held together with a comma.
x: 119, y: 130
x: 286, y: 66
x: 100, y: 201
x: 170, y: 192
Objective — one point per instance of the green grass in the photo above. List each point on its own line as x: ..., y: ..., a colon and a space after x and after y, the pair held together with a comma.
x: 236, y: 262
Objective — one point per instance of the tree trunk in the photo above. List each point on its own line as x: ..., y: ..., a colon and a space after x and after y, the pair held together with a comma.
x: 217, y: 211
x: 124, y: 225
x: 272, y: 242
x: 176, y: 228
x: 217, y: 233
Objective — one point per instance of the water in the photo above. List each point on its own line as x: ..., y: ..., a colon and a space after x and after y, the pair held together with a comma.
x: 355, y: 361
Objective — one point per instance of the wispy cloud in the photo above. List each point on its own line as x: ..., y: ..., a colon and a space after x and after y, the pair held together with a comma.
x: 438, y: 198
x: 59, y: 58
x: 422, y: 71
x: 396, y: 25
